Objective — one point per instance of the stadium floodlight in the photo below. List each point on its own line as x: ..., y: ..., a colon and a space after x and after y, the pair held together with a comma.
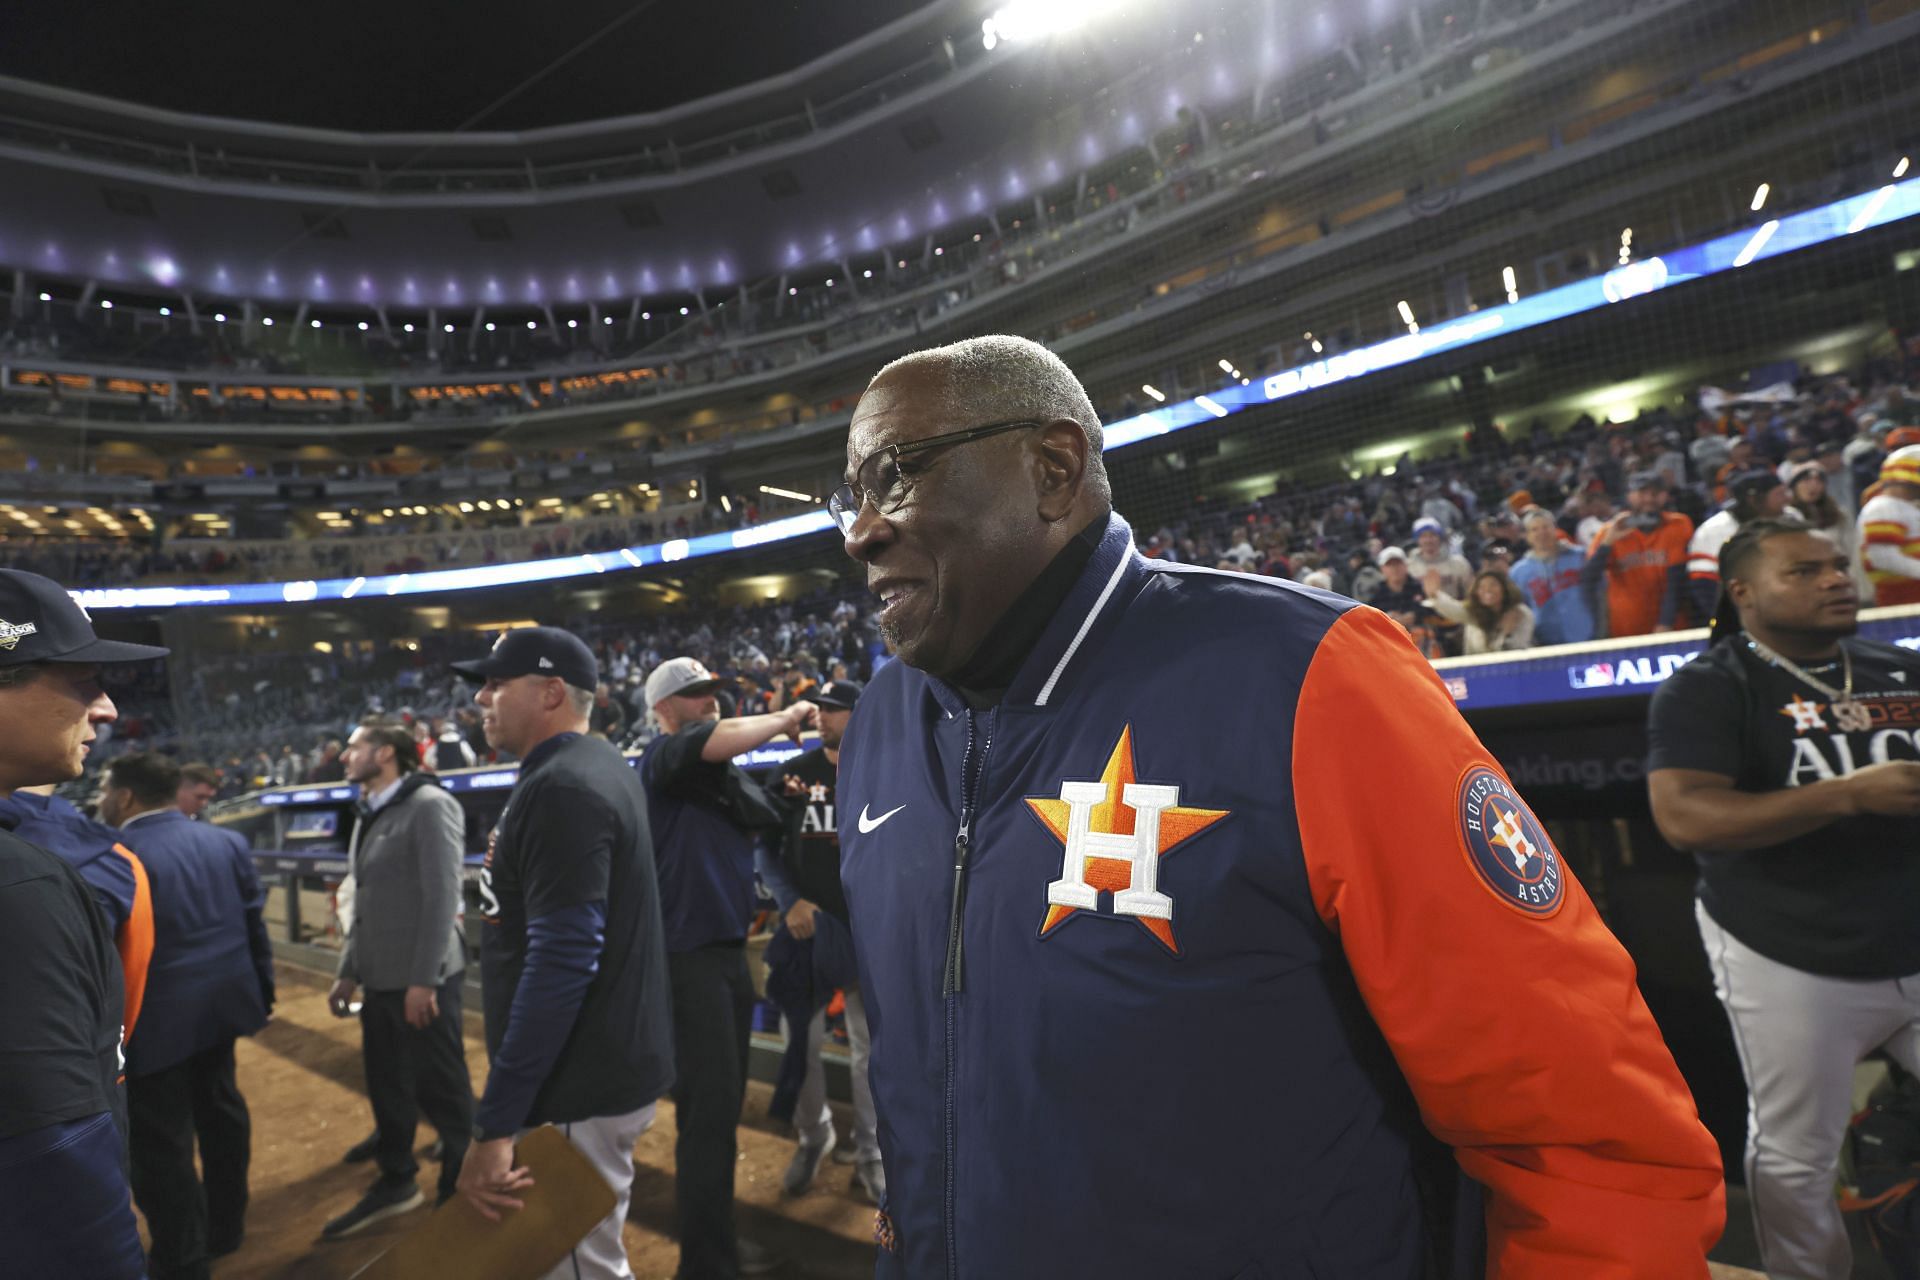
x: 449, y: 328
x: 47, y: 297
x: 1033, y: 19
x: 106, y: 304
x: 573, y: 324
x: 1870, y: 210
x: 1507, y: 278
x: 1760, y: 194
x: 165, y: 312
x: 684, y: 311
x: 726, y: 504
x: 778, y: 492
x: 467, y: 507
x: 867, y: 274
x: 267, y: 321
x: 316, y: 324
x: 406, y: 328
x: 607, y: 319
x: 1158, y: 395
x: 1899, y: 171
x: 1212, y: 406
x: 363, y: 326
x: 1760, y: 238
x: 533, y: 324
x: 219, y: 317
x: 644, y: 315
x: 792, y: 291
x: 489, y: 326
x: 1226, y: 366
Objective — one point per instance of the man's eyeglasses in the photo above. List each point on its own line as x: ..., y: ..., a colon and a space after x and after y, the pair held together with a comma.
x: 881, y: 479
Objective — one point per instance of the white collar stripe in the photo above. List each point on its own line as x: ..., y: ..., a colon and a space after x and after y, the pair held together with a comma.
x: 1046, y: 690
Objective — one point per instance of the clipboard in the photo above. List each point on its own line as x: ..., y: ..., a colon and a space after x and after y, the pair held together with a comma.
x: 567, y: 1200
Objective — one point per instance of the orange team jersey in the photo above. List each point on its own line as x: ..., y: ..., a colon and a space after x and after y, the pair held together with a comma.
x: 1637, y: 573
x: 1512, y: 1011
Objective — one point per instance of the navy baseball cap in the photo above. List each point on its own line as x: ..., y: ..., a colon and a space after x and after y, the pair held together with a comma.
x: 836, y: 695
x: 536, y: 651
x: 1754, y: 484
x: 40, y: 622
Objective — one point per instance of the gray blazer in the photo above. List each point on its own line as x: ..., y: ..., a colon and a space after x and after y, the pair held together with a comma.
x: 406, y: 870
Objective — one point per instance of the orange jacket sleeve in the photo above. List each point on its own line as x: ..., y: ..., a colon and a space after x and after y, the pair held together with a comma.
x: 1510, y: 1008
x: 135, y: 942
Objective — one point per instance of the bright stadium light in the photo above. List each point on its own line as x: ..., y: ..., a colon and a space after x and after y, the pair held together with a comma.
x: 363, y: 326
x: 778, y: 492
x: 165, y: 312
x: 489, y: 326
x: 449, y: 328
x: 573, y: 324
x: 106, y: 304
x: 1899, y: 171
x: 1511, y: 281
x: 406, y: 328
x: 1760, y: 194
x: 267, y: 321
x: 1154, y: 391
x: 1760, y: 238
x: 533, y: 324
x: 1226, y: 366
x: 1033, y: 19
x: 316, y: 324
x: 47, y: 297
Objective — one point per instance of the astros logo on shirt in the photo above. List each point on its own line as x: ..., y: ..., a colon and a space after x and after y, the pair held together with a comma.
x: 1506, y: 844
x: 1113, y: 834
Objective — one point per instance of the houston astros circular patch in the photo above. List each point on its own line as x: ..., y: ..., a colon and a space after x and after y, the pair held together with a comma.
x: 1506, y: 845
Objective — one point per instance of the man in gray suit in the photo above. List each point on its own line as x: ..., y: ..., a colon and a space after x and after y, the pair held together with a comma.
x: 405, y: 948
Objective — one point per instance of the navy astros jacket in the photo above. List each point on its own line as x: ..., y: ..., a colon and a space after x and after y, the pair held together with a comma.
x: 1161, y: 954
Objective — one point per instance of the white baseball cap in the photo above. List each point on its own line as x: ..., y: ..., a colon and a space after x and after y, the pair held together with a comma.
x: 678, y: 676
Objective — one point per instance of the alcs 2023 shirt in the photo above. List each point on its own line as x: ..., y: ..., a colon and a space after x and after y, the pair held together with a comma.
x: 811, y: 849
x: 1841, y: 900
x: 575, y: 831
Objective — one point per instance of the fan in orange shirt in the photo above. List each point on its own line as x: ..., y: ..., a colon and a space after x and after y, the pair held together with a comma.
x: 1644, y: 554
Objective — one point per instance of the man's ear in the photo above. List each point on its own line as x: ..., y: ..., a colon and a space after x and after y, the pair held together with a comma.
x: 1060, y: 459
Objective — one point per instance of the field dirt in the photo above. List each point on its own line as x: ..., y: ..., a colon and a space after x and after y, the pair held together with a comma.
x: 303, y: 1082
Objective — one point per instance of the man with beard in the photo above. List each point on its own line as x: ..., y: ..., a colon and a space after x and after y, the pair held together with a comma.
x: 405, y: 949
x: 707, y: 816
x: 1772, y: 757
x: 1194, y: 924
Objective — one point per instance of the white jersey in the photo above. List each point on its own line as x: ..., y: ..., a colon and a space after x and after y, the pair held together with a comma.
x: 1703, y: 552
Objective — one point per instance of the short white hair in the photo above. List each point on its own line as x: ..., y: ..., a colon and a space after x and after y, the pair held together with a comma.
x: 1001, y: 377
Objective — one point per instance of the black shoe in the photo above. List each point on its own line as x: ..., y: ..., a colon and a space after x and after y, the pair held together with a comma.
x: 363, y: 1150
x: 384, y: 1200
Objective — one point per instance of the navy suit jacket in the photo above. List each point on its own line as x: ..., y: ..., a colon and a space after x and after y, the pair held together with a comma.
x: 212, y: 973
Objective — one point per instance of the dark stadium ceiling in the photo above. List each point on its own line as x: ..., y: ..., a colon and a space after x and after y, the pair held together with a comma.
x: 376, y: 66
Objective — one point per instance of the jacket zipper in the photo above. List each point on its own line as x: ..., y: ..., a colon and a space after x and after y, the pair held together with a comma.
x: 955, y: 980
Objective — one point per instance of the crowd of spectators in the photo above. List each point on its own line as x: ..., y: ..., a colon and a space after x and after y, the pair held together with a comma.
x: 1516, y: 540
x: 268, y: 716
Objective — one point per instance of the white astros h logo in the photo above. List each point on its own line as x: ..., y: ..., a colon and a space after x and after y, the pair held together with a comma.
x: 1805, y: 713
x: 1513, y: 838
x: 1114, y: 833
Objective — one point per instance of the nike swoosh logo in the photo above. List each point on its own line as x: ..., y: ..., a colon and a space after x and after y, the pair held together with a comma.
x: 872, y: 824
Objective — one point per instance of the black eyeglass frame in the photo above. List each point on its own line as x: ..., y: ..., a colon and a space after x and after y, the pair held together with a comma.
x: 847, y: 502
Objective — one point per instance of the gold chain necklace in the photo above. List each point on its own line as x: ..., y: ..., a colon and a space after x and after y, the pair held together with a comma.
x: 1848, y: 716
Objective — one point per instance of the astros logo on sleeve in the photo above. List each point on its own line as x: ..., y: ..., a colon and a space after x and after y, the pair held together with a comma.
x: 1507, y: 846
x: 1114, y: 833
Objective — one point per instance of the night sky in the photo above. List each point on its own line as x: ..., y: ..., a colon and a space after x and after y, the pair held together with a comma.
x: 423, y: 64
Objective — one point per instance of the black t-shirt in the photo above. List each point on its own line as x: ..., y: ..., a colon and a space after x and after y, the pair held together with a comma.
x: 575, y: 831
x: 62, y: 997
x: 811, y: 850
x: 1843, y: 900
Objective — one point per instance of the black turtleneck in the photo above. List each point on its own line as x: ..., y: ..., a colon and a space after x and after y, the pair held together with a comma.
x: 984, y: 678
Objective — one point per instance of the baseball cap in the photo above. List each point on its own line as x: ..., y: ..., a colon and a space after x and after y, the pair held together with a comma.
x: 1902, y: 466
x: 677, y: 676
x: 535, y: 651
x: 1427, y: 523
x: 1391, y: 553
x: 836, y: 695
x: 1649, y: 479
x: 1798, y: 469
x: 1753, y: 484
x: 40, y: 622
